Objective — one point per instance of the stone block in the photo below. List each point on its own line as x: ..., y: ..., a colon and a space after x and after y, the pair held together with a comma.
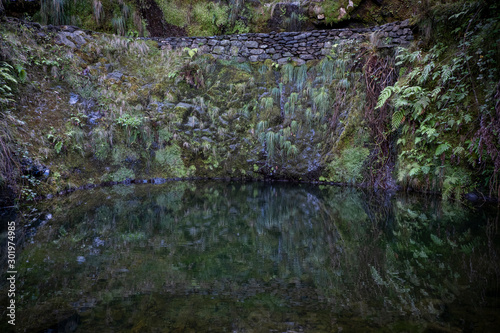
x: 306, y: 56
x: 253, y: 58
x: 234, y: 50
x: 204, y: 49
x: 213, y: 42
x: 225, y: 42
x: 218, y: 49
x: 256, y: 51
x: 299, y: 61
x: 251, y: 44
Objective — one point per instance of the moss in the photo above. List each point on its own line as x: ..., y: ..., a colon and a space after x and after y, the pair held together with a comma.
x: 348, y: 167
x: 122, y: 154
x: 122, y: 174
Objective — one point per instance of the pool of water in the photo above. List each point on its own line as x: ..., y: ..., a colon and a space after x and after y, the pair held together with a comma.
x: 254, y: 257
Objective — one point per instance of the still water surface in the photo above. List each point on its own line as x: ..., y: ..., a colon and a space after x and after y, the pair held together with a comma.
x: 256, y: 257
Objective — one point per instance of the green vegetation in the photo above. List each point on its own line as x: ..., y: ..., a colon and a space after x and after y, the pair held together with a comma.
x: 444, y: 107
x: 348, y: 167
x: 421, y: 117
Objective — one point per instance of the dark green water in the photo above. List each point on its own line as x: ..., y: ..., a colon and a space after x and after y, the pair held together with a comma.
x: 255, y: 257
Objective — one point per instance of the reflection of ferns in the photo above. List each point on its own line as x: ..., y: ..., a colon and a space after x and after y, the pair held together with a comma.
x: 98, y: 11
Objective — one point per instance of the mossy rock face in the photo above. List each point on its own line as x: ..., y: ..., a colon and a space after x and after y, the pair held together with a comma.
x: 122, y: 154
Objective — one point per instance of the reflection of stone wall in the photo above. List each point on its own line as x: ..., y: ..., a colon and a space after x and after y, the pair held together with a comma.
x: 299, y: 46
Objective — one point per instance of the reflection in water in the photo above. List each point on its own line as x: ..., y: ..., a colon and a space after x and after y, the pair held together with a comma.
x: 239, y: 257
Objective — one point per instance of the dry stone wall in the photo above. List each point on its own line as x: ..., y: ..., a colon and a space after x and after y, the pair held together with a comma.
x: 282, y: 46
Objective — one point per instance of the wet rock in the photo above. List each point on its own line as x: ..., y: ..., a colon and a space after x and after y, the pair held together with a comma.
x: 61, y: 39
x: 473, y: 197
x: 93, y: 117
x: 223, y: 122
x: 31, y: 168
x: 109, y: 68
x: 114, y: 76
x: 73, y: 98
x: 192, y: 122
x: 158, y: 181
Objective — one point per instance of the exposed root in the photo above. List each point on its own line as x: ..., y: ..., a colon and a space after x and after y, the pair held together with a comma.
x: 378, y: 74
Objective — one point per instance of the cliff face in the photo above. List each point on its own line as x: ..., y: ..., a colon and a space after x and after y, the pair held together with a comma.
x: 86, y: 108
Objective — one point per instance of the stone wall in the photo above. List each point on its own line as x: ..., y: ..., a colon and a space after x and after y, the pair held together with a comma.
x: 282, y: 46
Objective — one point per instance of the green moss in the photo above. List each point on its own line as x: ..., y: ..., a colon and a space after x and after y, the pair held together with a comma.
x: 348, y: 167
x: 122, y: 174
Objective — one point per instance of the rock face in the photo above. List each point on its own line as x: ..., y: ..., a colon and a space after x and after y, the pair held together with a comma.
x: 297, y: 46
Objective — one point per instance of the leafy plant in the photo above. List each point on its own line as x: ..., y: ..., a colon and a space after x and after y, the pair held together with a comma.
x: 7, y: 83
x: 131, y: 124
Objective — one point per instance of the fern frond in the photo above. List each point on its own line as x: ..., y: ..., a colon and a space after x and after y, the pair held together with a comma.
x: 397, y: 118
x: 384, y: 96
x: 442, y: 148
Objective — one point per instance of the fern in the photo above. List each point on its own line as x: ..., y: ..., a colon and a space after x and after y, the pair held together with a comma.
x: 322, y: 100
x: 436, y: 240
x: 262, y: 126
x: 446, y: 73
x: 300, y: 76
x: 271, y: 144
x: 267, y: 103
x: 397, y: 118
x: 458, y: 150
x: 292, y: 151
x: 442, y: 148
x: 287, y: 73
x: 426, y: 72
x: 376, y: 277
x: 384, y: 96
x: 276, y: 93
